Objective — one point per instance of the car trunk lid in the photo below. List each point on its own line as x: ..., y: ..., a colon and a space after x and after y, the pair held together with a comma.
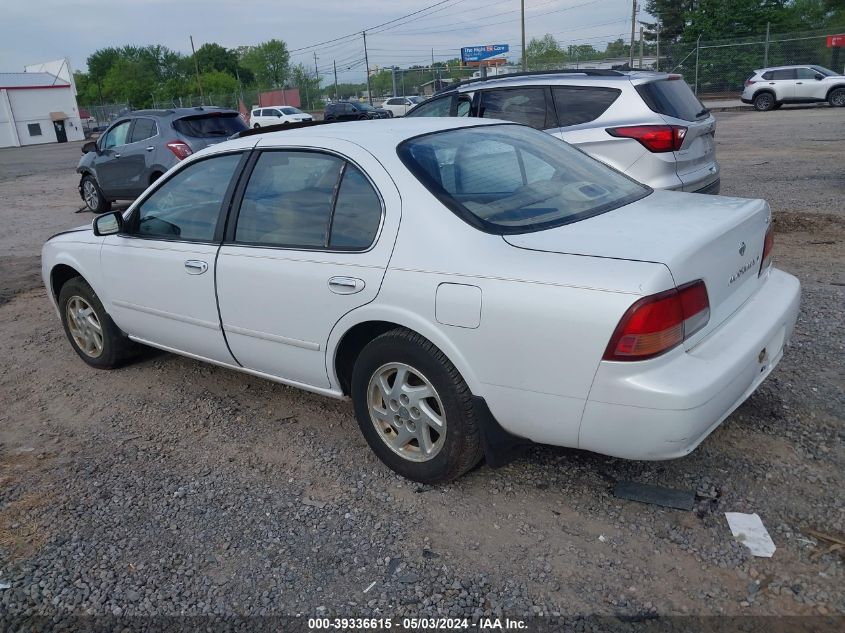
x: 713, y: 238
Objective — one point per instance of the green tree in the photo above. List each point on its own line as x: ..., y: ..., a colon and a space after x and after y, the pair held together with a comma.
x: 544, y: 52
x: 308, y: 85
x: 269, y: 63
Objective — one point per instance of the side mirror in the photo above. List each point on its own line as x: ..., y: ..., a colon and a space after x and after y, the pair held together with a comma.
x: 819, y: 77
x: 278, y: 116
x: 108, y: 224
x: 90, y: 146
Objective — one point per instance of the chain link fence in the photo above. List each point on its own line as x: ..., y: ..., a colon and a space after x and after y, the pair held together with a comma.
x: 719, y: 68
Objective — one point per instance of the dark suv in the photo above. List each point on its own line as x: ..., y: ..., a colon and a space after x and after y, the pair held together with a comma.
x: 139, y: 147
x: 353, y: 110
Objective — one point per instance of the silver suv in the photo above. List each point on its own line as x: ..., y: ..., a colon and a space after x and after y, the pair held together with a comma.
x: 770, y: 88
x: 647, y: 125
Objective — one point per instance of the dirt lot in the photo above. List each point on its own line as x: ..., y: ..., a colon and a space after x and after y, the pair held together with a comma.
x: 175, y: 488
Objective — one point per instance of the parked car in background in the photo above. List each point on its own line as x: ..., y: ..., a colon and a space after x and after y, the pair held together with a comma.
x: 399, y: 106
x: 529, y: 293
x: 647, y: 125
x: 354, y: 111
x: 770, y: 88
x: 277, y: 115
x: 139, y: 147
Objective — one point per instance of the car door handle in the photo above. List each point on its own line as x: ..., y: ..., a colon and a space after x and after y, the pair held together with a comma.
x: 150, y: 148
x: 346, y: 285
x: 116, y: 155
x: 195, y: 267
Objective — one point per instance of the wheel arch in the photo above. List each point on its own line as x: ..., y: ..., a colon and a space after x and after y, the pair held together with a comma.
x: 352, y: 333
x: 832, y: 88
x: 60, y: 274
x: 762, y: 90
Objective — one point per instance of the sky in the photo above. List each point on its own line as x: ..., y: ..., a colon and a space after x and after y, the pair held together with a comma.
x: 44, y: 30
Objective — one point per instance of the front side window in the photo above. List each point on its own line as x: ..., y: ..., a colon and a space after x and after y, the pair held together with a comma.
x: 806, y: 73
x: 511, y: 179
x: 187, y: 206
x: 520, y: 105
x: 582, y: 104
x: 435, y: 107
x: 301, y: 199
x: 117, y: 136
x: 144, y: 129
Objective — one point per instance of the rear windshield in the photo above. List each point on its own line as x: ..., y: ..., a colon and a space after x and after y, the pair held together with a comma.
x: 672, y: 97
x: 513, y: 179
x: 210, y: 125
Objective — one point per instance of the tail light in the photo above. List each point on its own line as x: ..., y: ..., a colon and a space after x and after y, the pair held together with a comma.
x: 750, y: 82
x: 768, y: 247
x: 180, y: 149
x: 656, y: 324
x: 655, y: 138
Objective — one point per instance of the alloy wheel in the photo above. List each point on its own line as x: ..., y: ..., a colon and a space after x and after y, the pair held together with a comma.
x: 84, y: 326
x: 90, y: 194
x: 407, y: 412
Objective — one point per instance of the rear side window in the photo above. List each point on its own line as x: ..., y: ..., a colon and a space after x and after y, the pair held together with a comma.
x: 577, y: 104
x: 520, y: 105
x: 786, y: 73
x: 300, y: 199
x: 210, y: 125
x: 672, y: 97
x: 144, y: 129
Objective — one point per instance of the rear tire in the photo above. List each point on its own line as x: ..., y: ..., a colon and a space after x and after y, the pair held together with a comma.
x: 93, y: 195
x: 90, y: 330
x: 764, y: 102
x: 256, y: 126
x: 836, y: 98
x: 414, y: 408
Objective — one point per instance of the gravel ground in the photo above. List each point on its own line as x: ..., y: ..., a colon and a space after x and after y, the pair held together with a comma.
x: 175, y: 488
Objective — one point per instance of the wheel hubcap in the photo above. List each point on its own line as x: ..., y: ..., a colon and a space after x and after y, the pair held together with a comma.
x: 839, y: 98
x: 407, y: 412
x: 89, y: 191
x: 765, y: 102
x: 84, y: 326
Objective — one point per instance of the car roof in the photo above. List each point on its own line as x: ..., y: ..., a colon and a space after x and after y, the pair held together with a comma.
x: 569, y: 77
x: 179, y: 112
x: 768, y: 68
x: 370, y: 134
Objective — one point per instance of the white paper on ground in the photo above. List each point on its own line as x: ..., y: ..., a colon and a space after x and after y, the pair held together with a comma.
x: 749, y: 530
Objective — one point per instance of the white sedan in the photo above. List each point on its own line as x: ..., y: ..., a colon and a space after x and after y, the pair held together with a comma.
x: 278, y: 115
x: 470, y: 284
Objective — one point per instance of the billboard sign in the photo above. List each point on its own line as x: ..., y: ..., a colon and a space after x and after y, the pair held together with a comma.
x: 480, y: 53
x: 833, y: 41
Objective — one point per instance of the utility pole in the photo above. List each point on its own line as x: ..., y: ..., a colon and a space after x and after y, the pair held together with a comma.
x: 524, y: 60
x: 766, y: 51
x: 657, y: 63
x: 367, y: 69
x: 197, y: 68
x: 433, y: 76
x: 316, y: 71
x: 697, y: 46
x: 334, y: 65
x: 633, y: 27
x: 641, y: 46
x: 393, y: 79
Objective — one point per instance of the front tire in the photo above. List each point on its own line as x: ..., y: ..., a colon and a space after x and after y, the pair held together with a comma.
x: 93, y: 195
x: 256, y: 126
x: 764, y: 102
x: 89, y: 328
x: 414, y: 408
x: 836, y: 98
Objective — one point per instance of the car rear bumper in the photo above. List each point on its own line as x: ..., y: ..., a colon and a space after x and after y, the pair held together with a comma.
x: 665, y: 407
x: 746, y: 100
x: 713, y: 188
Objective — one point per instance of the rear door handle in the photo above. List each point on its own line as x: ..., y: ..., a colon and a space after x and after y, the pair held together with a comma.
x: 799, y: 83
x: 150, y: 148
x: 195, y: 267
x: 116, y: 155
x: 346, y: 285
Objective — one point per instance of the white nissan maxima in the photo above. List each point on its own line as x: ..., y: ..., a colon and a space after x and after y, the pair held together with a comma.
x: 470, y: 284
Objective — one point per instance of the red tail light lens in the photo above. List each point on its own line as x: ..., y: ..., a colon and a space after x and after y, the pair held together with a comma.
x: 656, y: 324
x: 750, y: 82
x: 180, y: 149
x: 655, y: 138
x: 768, y: 249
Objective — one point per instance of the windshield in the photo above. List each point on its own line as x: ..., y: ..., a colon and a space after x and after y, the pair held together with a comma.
x: 513, y: 179
x: 827, y: 72
x: 210, y: 125
x: 291, y: 111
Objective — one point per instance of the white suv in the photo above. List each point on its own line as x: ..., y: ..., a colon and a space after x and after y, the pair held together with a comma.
x: 278, y: 115
x: 399, y: 106
x: 770, y: 88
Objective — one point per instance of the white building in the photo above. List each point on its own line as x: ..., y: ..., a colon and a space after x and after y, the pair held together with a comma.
x: 39, y: 106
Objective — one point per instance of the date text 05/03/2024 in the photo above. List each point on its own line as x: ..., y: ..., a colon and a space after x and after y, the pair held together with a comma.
x: 416, y: 624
